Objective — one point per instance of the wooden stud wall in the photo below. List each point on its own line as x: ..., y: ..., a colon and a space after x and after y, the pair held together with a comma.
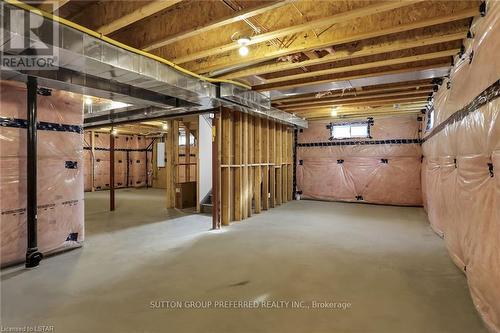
x: 256, y: 165
x: 172, y: 152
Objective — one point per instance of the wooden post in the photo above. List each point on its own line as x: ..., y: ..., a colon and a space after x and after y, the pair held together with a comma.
x: 238, y: 161
x: 187, y: 152
x: 111, y: 172
x: 257, y: 190
x: 250, y: 162
x: 175, y: 129
x: 215, y: 171
x: 169, y: 152
x: 284, y: 197
x: 225, y: 167
x: 290, y: 164
x: 265, y: 160
x: 172, y: 151
x: 279, y: 161
x: 244, y: 214
x: 272, y: 160
x: 219, y: 162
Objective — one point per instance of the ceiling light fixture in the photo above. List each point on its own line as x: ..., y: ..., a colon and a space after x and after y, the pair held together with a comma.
x: 165, y: 127
x: 243, y: 42
x: 114, y: 131
x: 243, y: 51
x: 334, y: 113
x: 88, y: 100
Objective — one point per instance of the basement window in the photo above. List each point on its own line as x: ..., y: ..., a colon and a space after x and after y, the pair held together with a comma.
x: 350, y: 130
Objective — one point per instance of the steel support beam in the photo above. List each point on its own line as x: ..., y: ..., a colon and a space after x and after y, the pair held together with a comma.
x: 112, y: 172
x: 33, y: 256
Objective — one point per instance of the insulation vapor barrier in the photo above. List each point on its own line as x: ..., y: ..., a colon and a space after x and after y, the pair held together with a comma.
x: 461, y: 166
x: 381, y: 169
x: 132, y: 154
x: 60, y: 174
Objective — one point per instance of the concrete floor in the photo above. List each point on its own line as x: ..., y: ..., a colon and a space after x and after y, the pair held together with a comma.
x: 384, y: 261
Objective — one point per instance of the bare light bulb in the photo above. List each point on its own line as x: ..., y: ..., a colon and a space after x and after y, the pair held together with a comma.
x: 243, y: 51
x: 114, y: 131
x: 333, y: 113
x: 88, y: 100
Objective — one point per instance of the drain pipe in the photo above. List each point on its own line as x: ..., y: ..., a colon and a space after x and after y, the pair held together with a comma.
x: 33, y: 256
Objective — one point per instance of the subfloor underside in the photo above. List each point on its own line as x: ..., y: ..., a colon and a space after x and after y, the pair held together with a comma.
x: 383, y: 266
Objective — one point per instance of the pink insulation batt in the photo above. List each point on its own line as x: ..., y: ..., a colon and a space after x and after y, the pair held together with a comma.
x: 361, y: 174
x: 130, y: 161
x: 60, y: 189
x: 461, y: 168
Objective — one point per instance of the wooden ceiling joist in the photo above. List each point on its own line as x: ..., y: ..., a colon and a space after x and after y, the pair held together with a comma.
x: 136, y: 15
x: 51, y: 6
x: 336, y: 37
x: 267, y: 87
x: 417, y: 100
x: 374, y: 105
x: 418, y: 84
x: 375, y: 8
x: 344, y: 54
x: 361, y: 114
x: 356, y: 98
x: 364, y: 109
x: 365, y: 114
x: 361, y: 111
x: 360, y: 43
x: 396, y: 100
x: 388, y: 62
x: 353, y: 93
x: 237, y: 16
x: 340, y: 111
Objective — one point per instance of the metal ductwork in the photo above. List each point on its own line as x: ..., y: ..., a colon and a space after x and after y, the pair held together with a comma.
x: 92, y: 66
